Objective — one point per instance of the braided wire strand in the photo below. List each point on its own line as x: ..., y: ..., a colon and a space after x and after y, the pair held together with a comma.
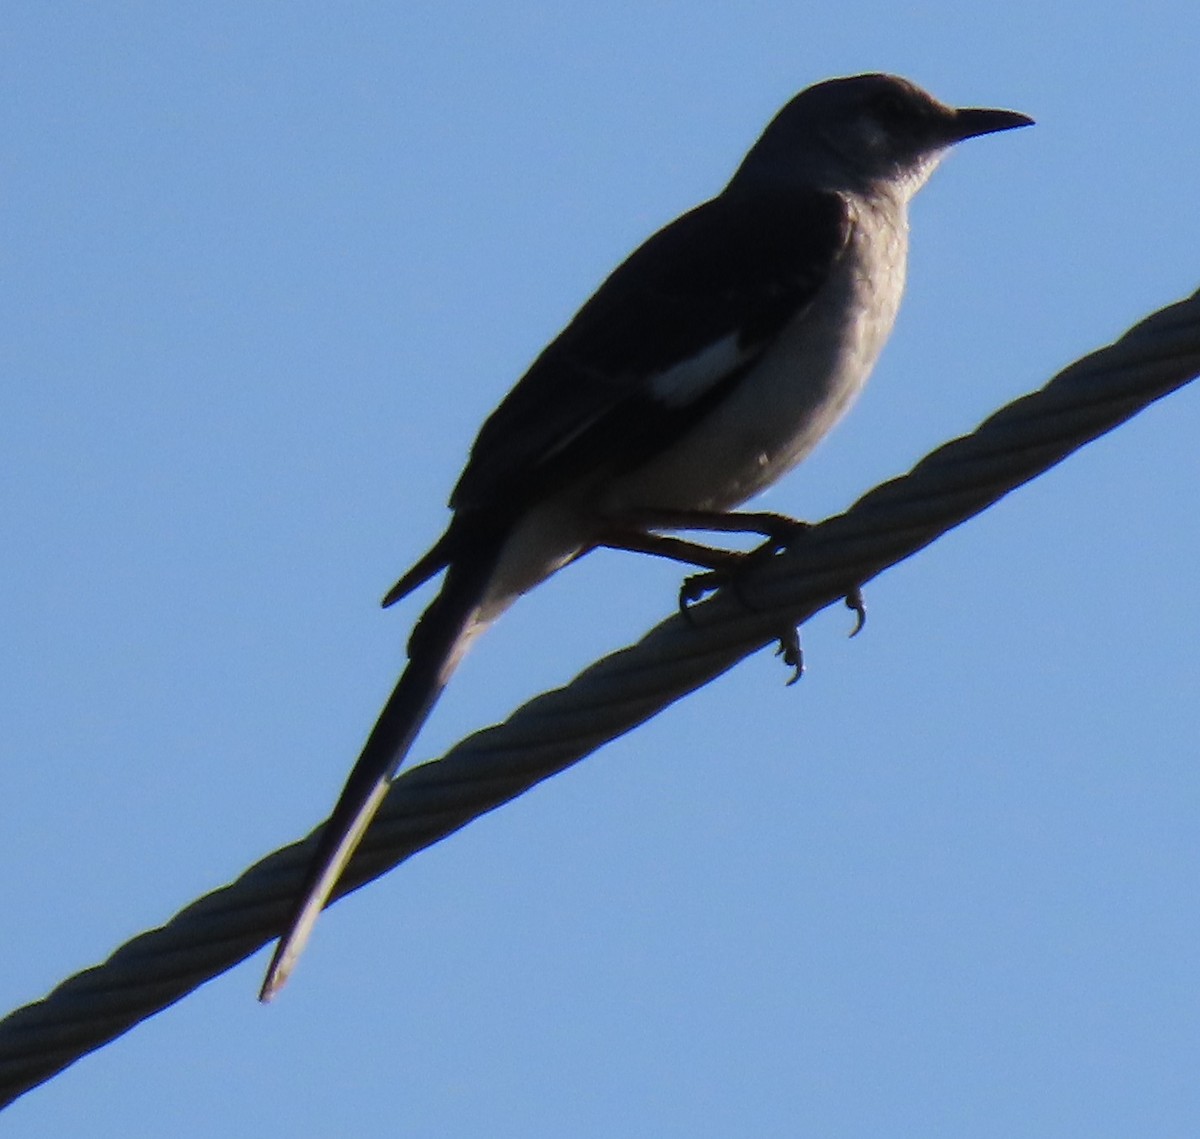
x: 557, y: 729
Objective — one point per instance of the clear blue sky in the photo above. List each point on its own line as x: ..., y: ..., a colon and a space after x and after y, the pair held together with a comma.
x: 265, y: 268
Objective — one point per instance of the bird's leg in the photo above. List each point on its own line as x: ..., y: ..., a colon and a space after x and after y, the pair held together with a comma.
x: 778, y: 530
x: 722, y: 567
x: 636, y: 532
x: 662, y: 546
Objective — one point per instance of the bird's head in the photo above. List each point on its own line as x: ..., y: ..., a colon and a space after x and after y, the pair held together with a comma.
x: 865, y: 132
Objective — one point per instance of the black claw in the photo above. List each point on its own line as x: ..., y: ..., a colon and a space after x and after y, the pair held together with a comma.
x: 791, y: 652
x: 700, y: 585
x: 856, y: 604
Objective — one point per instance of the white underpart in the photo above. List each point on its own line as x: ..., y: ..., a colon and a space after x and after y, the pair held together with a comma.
x: 800, y: 387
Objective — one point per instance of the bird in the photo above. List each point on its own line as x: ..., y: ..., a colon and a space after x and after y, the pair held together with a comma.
x: 707, y: 365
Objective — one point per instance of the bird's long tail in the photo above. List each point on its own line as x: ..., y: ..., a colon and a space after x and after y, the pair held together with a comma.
x: 438, y: 642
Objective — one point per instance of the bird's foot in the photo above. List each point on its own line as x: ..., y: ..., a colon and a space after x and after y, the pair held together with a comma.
x: 701, y: 585
x: 857, y: 606
x: 698, y: 586
x: 791, y: 653
x: 779, y: 530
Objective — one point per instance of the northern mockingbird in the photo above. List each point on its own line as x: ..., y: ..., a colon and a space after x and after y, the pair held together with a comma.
x: 705, y: 367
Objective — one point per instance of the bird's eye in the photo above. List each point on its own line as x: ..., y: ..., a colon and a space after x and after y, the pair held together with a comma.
x: 890, y: 107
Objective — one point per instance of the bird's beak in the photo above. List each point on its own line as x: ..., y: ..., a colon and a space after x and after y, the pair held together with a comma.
x: 971, y: 121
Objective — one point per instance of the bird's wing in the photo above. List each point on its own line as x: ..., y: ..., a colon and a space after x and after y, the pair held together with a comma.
x: 658, y: 345
x: 660, y: 342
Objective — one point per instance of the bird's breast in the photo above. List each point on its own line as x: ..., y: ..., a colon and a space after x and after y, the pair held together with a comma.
x: 794, y: 393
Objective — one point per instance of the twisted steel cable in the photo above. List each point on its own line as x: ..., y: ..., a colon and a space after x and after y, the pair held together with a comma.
x: 555, y: 730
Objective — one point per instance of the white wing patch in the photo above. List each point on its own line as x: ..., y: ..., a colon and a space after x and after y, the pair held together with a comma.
x: 687, y: 381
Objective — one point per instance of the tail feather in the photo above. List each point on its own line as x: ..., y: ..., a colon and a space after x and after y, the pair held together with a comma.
x: 430, y: 563
x: 438, y: 643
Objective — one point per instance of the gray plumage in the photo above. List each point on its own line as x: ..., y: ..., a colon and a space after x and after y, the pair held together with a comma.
x: 706, y: 366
